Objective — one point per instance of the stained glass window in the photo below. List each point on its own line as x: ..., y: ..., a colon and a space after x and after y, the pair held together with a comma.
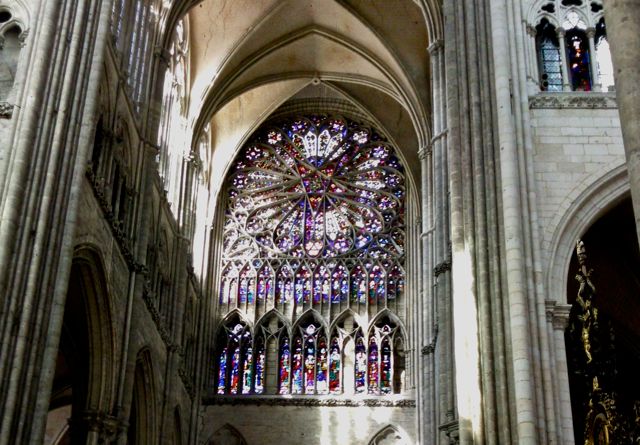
x: 550, y: 62
x: 285, y: 368
x: 334, y: 367
x: 260, y: 367
x: 313, y: 224
x: 578, y: 58
x: 360, y: 365
x: 235, y: 360
x: 316, y: 189
x: 296, y: 367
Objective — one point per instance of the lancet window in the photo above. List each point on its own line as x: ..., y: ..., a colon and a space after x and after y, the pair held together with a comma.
x: 571, y: 46
x: 313, y: 233
x: 172, y: 131
x: 132, y: 24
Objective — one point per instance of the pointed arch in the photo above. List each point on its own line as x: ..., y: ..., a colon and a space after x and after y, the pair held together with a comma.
x: 585, y: 205
x: 389, y: 435
x: 227, y: 435
x: 143, y: 427
x: 309, y: 316
x: 89, y: 297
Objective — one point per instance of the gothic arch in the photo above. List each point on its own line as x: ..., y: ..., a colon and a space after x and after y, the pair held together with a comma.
x: 389, y: 435
x: 96, y: 305
x: 270, y: 315
x: 84, y: 379
x: 227, y: 435
x: 394, y: 319
x: 143, y: 416
x: 585, y: 208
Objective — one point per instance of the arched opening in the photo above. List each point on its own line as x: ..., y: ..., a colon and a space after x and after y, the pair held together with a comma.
x: 142, y: 415
x: 604, y: 330
x: 389, y: 435
x: 227, y: 435
x: 548, y: 56
x: 82, y: 381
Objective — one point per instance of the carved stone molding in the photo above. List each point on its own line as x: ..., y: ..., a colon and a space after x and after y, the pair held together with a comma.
x: 451, y: 429
x: 6, y: 110
x: 307, y: 401
x: 186, y: 381
x: 588, y: 100
x: 106, y: 425
x: 442, y: 267
x: 557, y: 314
x: 431, y: 347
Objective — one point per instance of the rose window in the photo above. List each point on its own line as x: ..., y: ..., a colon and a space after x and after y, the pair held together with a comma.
x: 311, y: 203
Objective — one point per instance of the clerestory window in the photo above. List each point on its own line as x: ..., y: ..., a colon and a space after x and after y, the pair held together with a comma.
x: 571, y: 46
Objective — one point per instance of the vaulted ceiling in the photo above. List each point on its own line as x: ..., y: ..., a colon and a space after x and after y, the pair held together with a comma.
x: 249, y: 57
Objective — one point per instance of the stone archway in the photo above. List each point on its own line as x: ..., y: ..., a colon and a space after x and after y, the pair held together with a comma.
x: 389, y: 435
x: 227, y: 435
x: 142, y: 415
x: 81, y: 398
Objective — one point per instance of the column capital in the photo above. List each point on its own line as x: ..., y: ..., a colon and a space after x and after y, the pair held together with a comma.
x: 560, y: 31
x: 531, y: 30
x: 557, y: 314
x: 591, y: 32
x: 424, y: 152
x: 105, y: 425
x: 435, y: 46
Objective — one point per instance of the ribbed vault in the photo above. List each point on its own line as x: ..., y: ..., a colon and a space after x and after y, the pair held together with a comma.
x: 250, y: 57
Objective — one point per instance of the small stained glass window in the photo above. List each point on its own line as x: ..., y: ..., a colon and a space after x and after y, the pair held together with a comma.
x: 549, y: 54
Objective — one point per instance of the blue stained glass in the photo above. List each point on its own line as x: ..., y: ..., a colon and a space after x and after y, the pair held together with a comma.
x: 373, y: 367
x: 244, y: 289
x: 297, y: 367
x: 265, y: 283
x: 284, y: 290
x: 235, y: 371
x: 302, y: 287
x: 247, y: 370
x: 395, y: 285
x: 322, y: 287
x: 340, y: 284
x: 360, y: 365
x: 285, y: 374
x: 334, y: 367
x: 321, y: 372
x: 309, y: 366
x: 358, y: 285
x: 260, y: 362
x: 376, y: 285
x: 222, y: 371
x: 385, y: 374
x: 315, y: 215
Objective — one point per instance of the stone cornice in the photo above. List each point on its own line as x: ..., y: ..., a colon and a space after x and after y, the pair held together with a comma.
x: 308, y: 401
x: 588, y: 100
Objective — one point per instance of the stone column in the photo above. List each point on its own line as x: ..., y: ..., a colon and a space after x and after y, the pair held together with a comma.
x: 560, y: 321
x: 623, y: 21
x: 593, y: 65
x: 566, y: 86
x: 533, y: 73
x: 50, y: 146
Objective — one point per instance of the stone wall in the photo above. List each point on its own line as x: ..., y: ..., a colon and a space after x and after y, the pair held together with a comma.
x: 308, y: 425
x: 575, y: 144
